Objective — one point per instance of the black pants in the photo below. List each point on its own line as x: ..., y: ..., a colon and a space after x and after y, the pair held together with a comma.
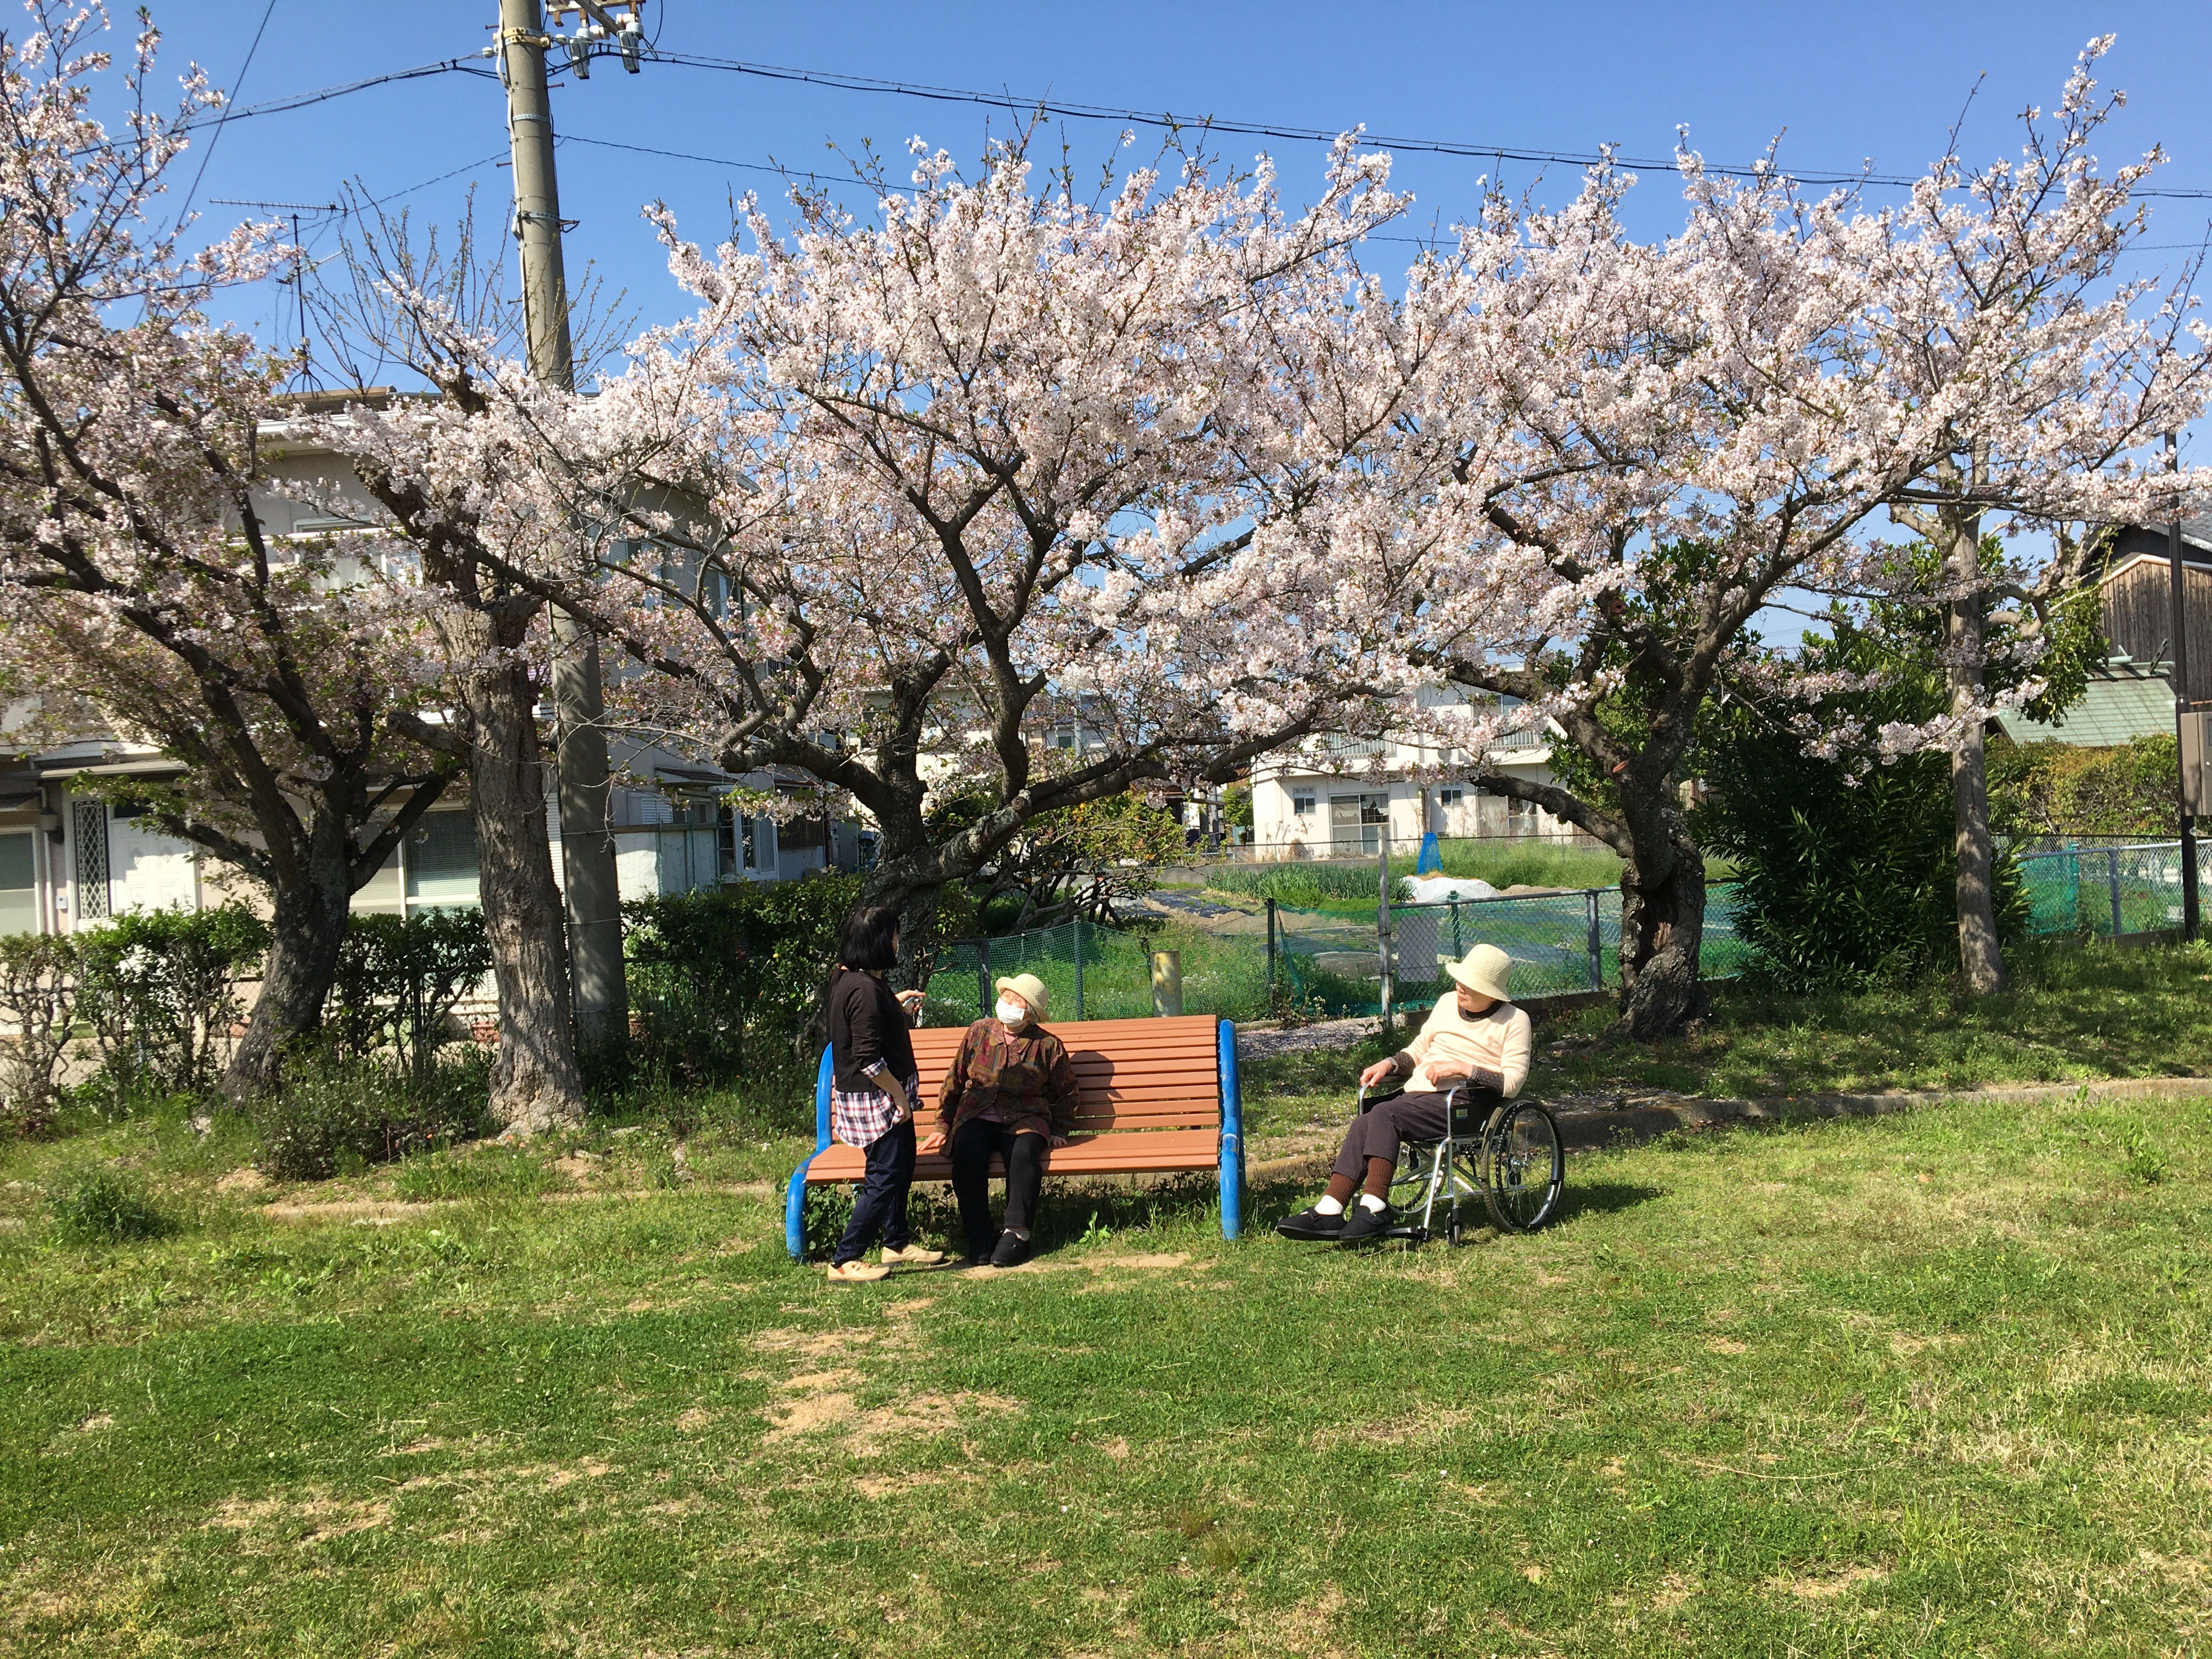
x: 1377, y: 1131
x: 880, y: 1205
x: 973, y: 1143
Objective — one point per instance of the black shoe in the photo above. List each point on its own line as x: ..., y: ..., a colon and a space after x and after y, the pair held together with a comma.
x: 1310, y: 1224
x: 1360, y: 1222
x: 1012, y: 1250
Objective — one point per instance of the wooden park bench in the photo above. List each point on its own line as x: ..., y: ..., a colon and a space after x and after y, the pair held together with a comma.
x: 1157, y: 1096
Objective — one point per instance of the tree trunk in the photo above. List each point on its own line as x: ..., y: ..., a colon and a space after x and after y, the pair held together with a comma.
x: 305, y: 935
x: 1980, y: 961
x: 535, y: 1085
x: 1662, y: 927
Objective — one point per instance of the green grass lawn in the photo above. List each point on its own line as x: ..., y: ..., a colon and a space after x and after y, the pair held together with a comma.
x: 1927, y: 1384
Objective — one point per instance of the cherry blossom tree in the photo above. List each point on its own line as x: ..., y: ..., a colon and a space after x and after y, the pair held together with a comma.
x: 1680, y: 430
x: 139, y: 584
x: 900, y: 492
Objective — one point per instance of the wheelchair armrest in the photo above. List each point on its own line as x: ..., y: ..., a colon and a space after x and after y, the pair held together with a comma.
x: 1367, y: 1100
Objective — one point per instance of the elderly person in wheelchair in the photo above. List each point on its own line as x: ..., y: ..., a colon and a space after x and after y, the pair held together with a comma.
x: 1471, y: 1057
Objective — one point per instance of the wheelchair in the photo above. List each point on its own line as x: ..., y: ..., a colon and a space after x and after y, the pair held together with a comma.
x: 1512, y: 1156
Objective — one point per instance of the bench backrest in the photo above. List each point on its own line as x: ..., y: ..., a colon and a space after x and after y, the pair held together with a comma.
x: 1134, y: 1074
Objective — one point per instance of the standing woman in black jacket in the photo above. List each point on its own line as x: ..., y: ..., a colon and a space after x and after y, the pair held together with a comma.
x: 873, y: 1089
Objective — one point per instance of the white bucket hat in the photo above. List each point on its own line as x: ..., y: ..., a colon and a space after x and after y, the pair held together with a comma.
x: 1030, y: 989
x: 1484, y: 970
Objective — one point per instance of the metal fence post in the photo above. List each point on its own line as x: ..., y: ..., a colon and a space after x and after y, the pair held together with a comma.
x: 1078, y: 926
x: 2113, y: 874
x: 1458, y: 949
x: 983, y: 998
x: 1596, y: 952
x: 1271, y: 952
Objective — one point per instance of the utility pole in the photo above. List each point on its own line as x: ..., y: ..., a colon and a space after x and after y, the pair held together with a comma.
x: 587, y: 851
x: 2188, y: 727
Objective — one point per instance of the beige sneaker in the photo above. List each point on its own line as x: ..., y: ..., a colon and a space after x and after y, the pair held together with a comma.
x: 915, y: 1256
x: 856, y: 1271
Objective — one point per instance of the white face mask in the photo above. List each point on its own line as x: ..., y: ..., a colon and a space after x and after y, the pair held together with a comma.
x: 1012, y: 1012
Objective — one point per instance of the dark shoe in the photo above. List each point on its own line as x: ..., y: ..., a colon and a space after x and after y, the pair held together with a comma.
x: 1360, y: 1222
x: 1011, y: 1251
x: 1311, y: 1224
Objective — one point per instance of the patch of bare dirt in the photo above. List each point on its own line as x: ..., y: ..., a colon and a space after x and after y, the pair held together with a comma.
x: 245, y: 1180
x: 1726, y: 1345
x: 1827, y: 1587
x: 695, y: 1419
x: 314, y: 1517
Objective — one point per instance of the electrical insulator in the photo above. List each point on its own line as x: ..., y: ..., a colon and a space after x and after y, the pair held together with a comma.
x: 632, y: 39
x: 579, y: 56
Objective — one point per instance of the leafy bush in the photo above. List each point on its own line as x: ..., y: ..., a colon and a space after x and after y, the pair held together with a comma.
x: 159, y: 990
x: 2058, y: 789
x: 105, y: 1207
x: 720, y: 974
x: 336, y: 1108
x: 398, y: 978
x: 1845, y: 883
x: 37, y: 997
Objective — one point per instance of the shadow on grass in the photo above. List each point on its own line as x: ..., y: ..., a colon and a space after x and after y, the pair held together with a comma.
x: 1602, y: 1197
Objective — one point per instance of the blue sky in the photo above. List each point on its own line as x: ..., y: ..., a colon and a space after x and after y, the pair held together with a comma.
x: 1840, y: 84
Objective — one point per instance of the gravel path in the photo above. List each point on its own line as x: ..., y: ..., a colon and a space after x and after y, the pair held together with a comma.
x: 1321, y: 1034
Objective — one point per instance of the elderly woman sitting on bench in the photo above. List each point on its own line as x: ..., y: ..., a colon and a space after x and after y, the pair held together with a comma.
x: 1477, y: 1037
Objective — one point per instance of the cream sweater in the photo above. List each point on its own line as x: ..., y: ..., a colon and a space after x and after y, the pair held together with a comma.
x: 1497, y: 1042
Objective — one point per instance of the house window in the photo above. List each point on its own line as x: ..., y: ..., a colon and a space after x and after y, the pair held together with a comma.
x: 1301, y: 802
x: 19, y: 886
x: 91, y: 826
x: 442, y: 859
x: 1450, y: 796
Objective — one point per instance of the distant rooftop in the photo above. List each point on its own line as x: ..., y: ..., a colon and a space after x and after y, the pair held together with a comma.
x: 2124, y: 699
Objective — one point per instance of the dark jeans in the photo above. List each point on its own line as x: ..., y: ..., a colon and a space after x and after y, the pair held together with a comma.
x: 973, y: 1143
x: 880, y: 1205
x: 1377, y: 1131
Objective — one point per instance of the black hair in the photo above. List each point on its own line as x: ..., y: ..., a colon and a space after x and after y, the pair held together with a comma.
x: 870, y: 938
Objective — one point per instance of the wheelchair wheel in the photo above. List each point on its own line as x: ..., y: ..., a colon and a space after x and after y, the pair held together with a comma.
x: 1524, y: 1166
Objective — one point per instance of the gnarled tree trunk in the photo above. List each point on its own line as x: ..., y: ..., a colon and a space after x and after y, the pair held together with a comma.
x: 306, y: 931
x: 1662, y: 927
x: 535, y: 1085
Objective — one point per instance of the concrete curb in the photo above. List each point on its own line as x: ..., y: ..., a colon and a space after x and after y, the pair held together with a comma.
x: 1588, y: 1131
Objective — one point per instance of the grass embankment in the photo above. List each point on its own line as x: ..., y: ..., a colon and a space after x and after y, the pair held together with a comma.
x: 1926, y: 1384
x: 1502, y: 864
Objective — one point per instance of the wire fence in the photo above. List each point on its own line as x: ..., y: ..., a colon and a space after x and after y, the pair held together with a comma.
x: 1325, y: 962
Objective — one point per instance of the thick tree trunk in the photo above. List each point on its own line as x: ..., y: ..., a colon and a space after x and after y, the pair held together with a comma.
x: 1980, y: 961
x: 535, y: 1085
x: 1662, y: 927
x: 305, y: 935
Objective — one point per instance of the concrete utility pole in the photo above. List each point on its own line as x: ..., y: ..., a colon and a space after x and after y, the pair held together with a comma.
x: 2188, y: 724
x: 587, y: 851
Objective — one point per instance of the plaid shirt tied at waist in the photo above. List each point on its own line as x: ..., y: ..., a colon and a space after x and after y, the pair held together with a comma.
x: 860, y: 1119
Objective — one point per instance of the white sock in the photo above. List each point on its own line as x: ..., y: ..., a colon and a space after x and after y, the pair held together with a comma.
x: 1369, y: 1201
x: 1022, y: 1233
x: 1327, y: 1205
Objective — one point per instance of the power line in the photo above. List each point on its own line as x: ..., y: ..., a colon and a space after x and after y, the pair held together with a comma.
x: 207, y: 154
x: 324, y: 95
x: 1501, y: 153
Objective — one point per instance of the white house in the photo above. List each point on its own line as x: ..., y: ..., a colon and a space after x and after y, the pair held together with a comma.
x: 1336, y: 797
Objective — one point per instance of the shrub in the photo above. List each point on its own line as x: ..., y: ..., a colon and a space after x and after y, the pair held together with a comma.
x: 159, y: 990
x: 719, y: 973
x: 105, y: 1207
x: 1844, y: 883
x: 37, y: 996
x: 398, y: 978
x: 2052, y: 788
x: 334, y: 1109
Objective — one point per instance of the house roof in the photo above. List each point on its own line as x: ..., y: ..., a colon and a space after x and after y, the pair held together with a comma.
x: 2124, y: 699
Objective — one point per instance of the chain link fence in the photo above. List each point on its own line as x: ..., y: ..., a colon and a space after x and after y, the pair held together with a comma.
x: 1327, y: 962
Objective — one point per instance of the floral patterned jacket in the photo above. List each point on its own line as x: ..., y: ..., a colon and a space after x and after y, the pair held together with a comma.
x: 1022, y: 1079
